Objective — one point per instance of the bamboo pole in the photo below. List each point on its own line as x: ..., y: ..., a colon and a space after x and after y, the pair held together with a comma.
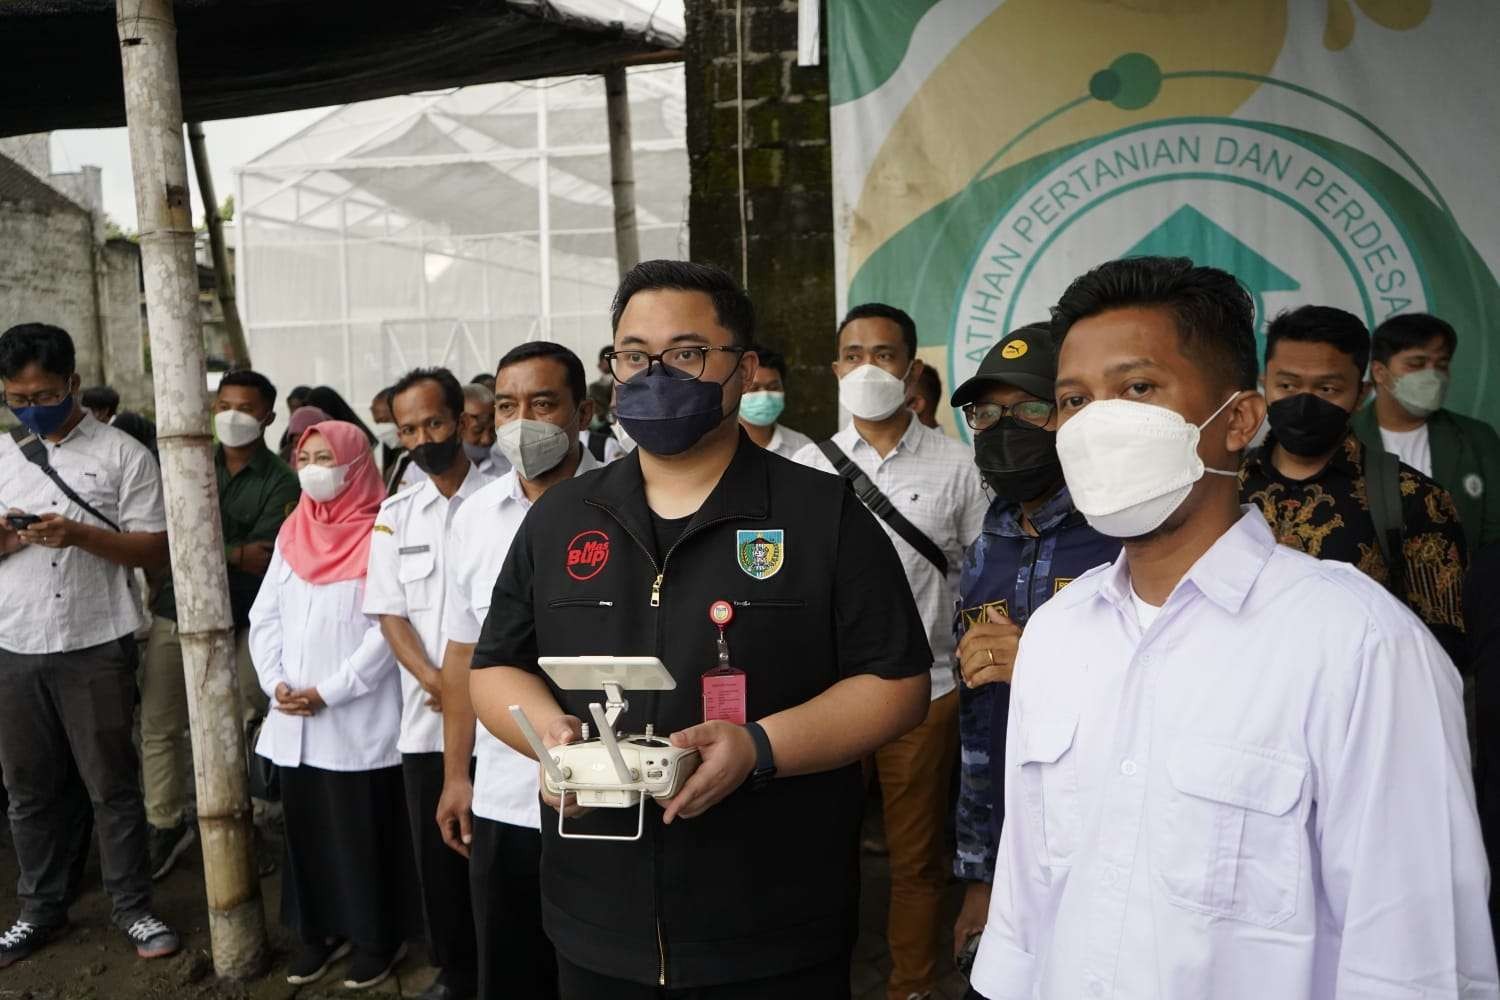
x: 239, y: 349
x: 153, y: 113
x: 621, y: 169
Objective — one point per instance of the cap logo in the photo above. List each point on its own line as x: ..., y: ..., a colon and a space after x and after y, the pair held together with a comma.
x: 1014, y: 350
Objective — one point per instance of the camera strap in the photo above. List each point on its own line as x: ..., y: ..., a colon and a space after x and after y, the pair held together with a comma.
x: 35, y: 452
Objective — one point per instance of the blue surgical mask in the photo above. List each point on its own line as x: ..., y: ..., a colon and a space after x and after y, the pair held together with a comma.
x: 762, y: 408
x: 666, y: 415
x: 44, y: 420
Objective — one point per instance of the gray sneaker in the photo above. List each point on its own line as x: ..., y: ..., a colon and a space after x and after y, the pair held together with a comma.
x: 152, y: 938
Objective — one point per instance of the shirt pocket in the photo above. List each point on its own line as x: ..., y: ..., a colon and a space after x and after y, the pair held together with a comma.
x: 1049, y: 783
x: 1229, y: 840
x: 415, y: 573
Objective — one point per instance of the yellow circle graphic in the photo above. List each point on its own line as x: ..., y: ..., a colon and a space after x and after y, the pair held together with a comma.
x: 1013, y: 350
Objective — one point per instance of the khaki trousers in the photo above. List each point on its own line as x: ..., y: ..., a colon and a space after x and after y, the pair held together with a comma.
x: 914, y: 774
x: 166, y: 750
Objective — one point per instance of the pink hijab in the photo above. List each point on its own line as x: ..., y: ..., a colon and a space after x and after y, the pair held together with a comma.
x: 329, y: 542
x: 303, y: 418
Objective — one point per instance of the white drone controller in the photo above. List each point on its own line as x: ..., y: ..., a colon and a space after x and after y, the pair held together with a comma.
x: 611, y: 770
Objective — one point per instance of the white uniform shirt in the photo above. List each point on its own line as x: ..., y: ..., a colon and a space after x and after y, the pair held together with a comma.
x: 60, y: 600
x: 315, y: 635
x: 787, y: 442
x: 1412, y: 447
x: 1266, y: 795
x: 408, y: 551
x: 505, y: 782
x: 931, y: 479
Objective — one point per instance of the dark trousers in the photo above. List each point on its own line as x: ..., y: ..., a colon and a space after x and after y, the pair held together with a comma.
x: 505, y: 871
x: 828, y: 981
x: 442, y: 873
x: 66, y: 716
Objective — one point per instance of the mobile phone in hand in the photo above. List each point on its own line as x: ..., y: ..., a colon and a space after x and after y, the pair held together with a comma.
x: 20, y: 522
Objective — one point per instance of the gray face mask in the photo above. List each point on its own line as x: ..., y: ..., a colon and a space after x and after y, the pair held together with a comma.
x: 1421, y: 393
x: 478, y: 453
x: 533, y: 447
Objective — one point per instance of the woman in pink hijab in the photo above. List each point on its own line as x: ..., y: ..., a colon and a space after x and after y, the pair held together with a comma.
x: 337, y: 713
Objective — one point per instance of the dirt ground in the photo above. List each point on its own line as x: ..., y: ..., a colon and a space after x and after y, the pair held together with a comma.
x: 91, y: 960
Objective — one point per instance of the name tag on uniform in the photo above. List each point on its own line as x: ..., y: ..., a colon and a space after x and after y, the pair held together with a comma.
x: 412, y: 550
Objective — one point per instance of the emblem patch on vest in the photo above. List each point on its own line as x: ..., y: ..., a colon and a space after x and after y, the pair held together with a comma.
x: 760, y: 552
x: 980, y: 615
x: 588, y: 553
x: 1060, y: 582
x: 1474, y: 485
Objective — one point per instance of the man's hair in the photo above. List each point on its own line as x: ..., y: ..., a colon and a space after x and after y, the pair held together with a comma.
x: 1400, y: 333
x: 605, y: 350
x: 732, y: 307
x: 1215, y: 316
x: 327, y: 399
x: 384, y: 395
x: 251, y: 380
x: 578, y: 384
x: 879, y: 310
x: 771, y: 359
x: 453, y: 393
x: 1322, y: 325
x: 49, y: 347
x: 930, y: 385
x: 298, y: 394
x: 483, y: 378
x: 478, y: 392
x: 100, y: 397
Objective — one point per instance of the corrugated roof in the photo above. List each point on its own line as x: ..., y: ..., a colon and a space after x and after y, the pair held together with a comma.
x: 20, y: 186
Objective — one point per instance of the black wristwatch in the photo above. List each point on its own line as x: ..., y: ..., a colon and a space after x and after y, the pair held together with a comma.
x: 765, y: 763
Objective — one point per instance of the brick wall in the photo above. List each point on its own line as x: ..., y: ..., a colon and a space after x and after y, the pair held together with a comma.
x: 788, y: 182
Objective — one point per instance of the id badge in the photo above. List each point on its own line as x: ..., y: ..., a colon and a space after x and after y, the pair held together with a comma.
x: 723, y: 686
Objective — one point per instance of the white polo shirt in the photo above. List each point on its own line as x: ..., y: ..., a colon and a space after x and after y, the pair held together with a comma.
x: 315, y: 635
x: 408, y: 549
x: 505, y: 782
x: 932, y: 480
x: 787, y: 442
x: 59, y: 600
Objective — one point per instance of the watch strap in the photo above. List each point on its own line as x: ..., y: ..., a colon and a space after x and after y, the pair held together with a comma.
x: 765, y: 762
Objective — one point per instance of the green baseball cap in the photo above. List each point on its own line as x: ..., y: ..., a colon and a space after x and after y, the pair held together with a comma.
x: 1026, y: 359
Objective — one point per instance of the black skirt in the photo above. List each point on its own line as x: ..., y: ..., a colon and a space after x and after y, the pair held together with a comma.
x: 349, y: 871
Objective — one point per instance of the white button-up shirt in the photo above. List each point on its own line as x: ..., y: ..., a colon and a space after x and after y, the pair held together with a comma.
x: 315, y: 635
x: 931, y: 479
x: 408, y: 549
x: 505, y: 782
x: 787, y: 442
x: 60, y: 600
x: 1264, y: 797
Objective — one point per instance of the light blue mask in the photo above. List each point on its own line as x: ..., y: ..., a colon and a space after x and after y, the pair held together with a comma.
x: 762, y: 408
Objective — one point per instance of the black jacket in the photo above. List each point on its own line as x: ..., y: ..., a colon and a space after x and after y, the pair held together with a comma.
x: 766, y: 881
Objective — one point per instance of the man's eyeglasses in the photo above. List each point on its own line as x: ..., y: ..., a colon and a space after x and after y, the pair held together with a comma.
x: 1027, y: 413
x: 13, y: 400
x: 686, y: 363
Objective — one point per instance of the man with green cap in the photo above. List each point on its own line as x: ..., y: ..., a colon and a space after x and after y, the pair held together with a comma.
x: 1033, y: 544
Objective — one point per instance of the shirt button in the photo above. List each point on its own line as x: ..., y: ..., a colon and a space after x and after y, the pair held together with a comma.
x: 1128, y: 768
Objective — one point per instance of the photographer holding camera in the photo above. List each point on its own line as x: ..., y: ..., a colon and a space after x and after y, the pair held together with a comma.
x: 83, y: 508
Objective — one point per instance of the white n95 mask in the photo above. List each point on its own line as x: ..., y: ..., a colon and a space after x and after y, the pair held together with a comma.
x: 1421, y: 393
x: 388, y: 434
x: 322, y: 482
x: 872, y: 393
x: 236, y: 429
x: 533, y: 447
x: 1129, y: 465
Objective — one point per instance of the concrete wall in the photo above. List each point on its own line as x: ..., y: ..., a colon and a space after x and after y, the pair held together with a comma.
x: 47, y: 276
x: 34, y: 152
x: 125, y: 331
x: 788, y: 184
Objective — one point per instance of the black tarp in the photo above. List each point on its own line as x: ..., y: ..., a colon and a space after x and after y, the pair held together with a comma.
x: 60, y: 66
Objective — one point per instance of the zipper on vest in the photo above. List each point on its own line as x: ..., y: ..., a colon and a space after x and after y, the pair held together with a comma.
x: 661, y: 955
x: 656, y: 590
x: 580, y: 602
x: 770, y: 602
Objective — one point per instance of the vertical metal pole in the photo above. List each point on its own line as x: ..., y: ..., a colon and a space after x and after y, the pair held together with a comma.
x: 544, y: 212
x: 621, y: 169
x: 153, y: 113
x: 348, y: 333
x: 223, y: 280
x: 242, y: 251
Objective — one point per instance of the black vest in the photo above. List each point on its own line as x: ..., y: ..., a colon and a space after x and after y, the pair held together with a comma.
x: 766, y: 881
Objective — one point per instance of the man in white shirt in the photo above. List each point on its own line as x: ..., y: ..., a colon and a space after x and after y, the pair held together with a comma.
x: 409, y: 551
x: 933, y: 485
x: 493, y: 818
x: 763, y: 403
x: 479, y: 431
x: 1240, y: 772
x: 83, y: 507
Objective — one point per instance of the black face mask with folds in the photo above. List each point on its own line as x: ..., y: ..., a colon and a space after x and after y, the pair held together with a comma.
x: 1017, y: 463
x: 1307, y: 425
x: 437, y: 457
x: 666, y: 415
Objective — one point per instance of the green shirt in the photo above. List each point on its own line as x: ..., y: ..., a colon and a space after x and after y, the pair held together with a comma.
x: 252, y: 504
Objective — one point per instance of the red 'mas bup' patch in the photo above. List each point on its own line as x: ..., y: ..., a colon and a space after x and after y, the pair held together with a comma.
x: 587, y: 554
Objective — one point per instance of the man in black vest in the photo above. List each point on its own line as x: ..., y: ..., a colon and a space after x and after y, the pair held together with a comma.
x: 744, y: 886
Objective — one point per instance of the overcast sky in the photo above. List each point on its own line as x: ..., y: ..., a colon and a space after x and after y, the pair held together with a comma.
x: 231, y: 144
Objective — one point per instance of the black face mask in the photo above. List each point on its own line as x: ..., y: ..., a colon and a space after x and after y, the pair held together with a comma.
x: 1017, y: 463
x: 1307, y: 425
x: 437, y: 457
x: 666, y: 415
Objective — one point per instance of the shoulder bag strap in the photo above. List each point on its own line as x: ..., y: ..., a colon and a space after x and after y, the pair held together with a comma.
x: 880, y: 505
x: 36, y: 453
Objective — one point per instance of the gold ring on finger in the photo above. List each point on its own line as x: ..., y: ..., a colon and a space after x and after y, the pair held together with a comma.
x: 992, y: 657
